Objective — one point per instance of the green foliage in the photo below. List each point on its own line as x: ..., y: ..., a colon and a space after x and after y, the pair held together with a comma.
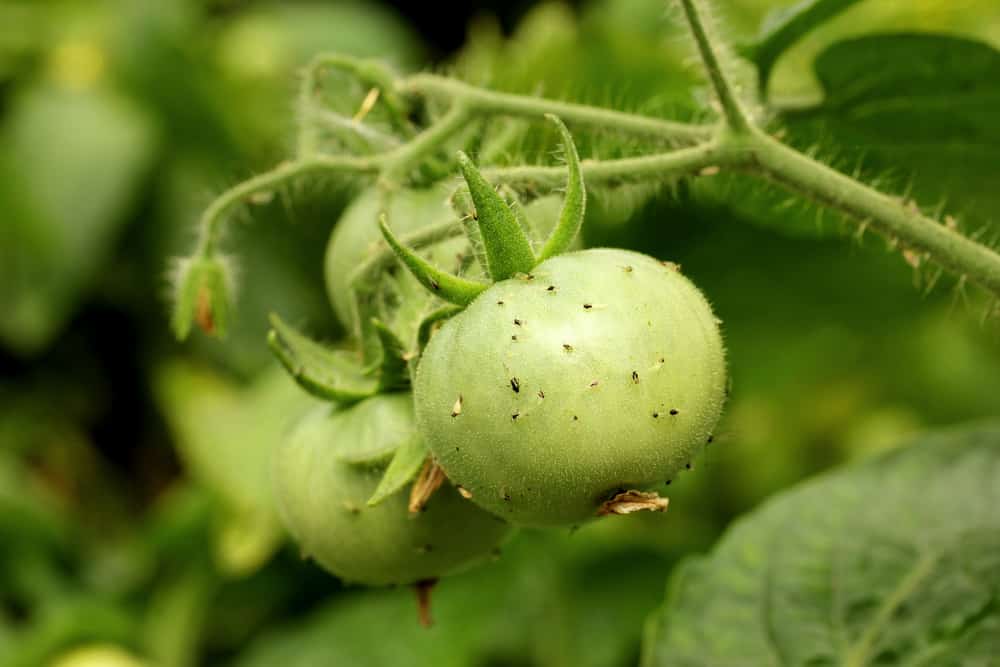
x: 226, y: 435
x: 891, y: 561
x: 132, y: 113
x: 782, y: 27
x: 72, y: 164
x: 915, y: 109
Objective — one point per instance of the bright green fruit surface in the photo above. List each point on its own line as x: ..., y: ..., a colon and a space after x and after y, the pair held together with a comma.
x: 323, y: 491
x: 603, y: 371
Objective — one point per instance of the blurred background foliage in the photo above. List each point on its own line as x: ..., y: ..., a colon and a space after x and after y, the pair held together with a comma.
x: 135, y: 523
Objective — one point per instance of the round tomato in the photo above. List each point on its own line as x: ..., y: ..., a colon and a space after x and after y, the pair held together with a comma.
x: 328, y: 469
x: 601, y: 372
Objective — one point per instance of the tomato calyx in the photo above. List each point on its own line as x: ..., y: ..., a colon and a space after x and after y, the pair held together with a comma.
x: 339, y: 375
x: 500, y: 229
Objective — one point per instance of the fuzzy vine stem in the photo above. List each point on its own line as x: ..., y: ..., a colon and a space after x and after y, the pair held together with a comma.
x: 490, y: 102
x: 735, y: 115
x: 736, y: 145
x: 213, y: 217
x: 895, y: 218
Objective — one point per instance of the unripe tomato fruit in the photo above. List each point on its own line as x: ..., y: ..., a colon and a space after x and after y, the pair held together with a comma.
x: 322, y: 493
x: 602, y: 371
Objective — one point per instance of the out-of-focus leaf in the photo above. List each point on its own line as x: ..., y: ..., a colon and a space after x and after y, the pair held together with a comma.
x: 895, y: 560
x: 225, y: 435
x: 70, y: 164
x: 552, y: 599
x: 784, y: 26
x: 909, y: 113
x: 175, y: 617
x: 920, y: 109
x: 98, y: 655
x: 66, y: 623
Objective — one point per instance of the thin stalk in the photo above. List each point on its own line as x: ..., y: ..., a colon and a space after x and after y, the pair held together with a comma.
x: 396, y: 163
x: 492, y: 102
x: 212, y: 219
x: 736, y: 116
x: 663, y: 166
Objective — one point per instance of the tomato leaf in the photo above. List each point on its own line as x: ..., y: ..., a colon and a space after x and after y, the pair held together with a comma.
x: 70, y: 165
x: 895, y: 560
x: 783, y: 27
x: 225, y: 435
x: 402, y: 469
x: 323, y: 372
x: 920, y: 107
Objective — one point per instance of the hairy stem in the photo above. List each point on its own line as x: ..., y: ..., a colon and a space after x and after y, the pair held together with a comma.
x: 491, y: 102
x: 736, y: 116
x: 895, y: 218
x: 397, y: 163
x: 211, y: 220
x: 662, y: 166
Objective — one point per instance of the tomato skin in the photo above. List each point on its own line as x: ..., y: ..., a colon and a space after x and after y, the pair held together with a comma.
x: 604, y: 372
x: 322, y: 500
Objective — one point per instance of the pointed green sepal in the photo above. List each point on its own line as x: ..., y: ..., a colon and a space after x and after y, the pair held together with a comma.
x: 508, y: 248
x: 461, y: 203
x: 391, y: 370
x: 574, y: 203
x: 203, y: 289
x: 321, y: 371
x: 450, y: 288
x: 405, y: 465
x: 519, y: 213
x: 427, y: 324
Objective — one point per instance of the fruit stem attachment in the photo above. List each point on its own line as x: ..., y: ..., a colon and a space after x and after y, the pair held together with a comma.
x: 423, y: 590
x: 736, y: 117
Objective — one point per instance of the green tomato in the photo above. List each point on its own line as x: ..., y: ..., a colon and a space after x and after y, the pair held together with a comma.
x: 547, y: 396
x: 323, y: 485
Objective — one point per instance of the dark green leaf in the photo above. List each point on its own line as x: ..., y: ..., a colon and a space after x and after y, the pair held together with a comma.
x: 920, y: 109
x: 783, y: 27
x: 893, y: 561
x: 323, y: 372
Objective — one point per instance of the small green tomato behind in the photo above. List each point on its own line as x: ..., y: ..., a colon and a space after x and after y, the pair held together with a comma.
x: 574, y: 381
x: 327, y: 475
